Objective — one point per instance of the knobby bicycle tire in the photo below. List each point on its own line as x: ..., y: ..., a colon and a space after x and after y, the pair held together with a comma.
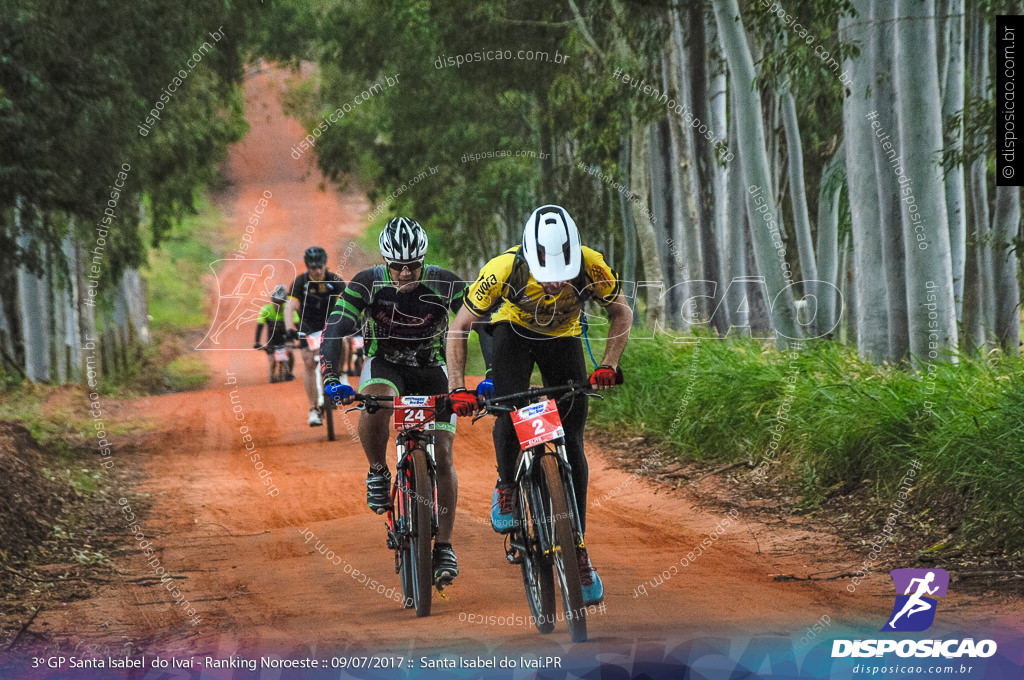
x: 564, y: 551
x: 400, y: 501
x: 280, y: 372
x: 421, y: 541
x: 329, y: 418
x: 538, y: 579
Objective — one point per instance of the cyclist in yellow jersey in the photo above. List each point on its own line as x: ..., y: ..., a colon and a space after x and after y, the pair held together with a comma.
x: 536, y: 292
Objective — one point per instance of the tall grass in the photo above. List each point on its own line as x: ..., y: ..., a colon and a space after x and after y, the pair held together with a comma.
x: 848, y: 421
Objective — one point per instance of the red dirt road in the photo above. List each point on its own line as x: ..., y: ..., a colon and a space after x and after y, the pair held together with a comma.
x: 239, y: 554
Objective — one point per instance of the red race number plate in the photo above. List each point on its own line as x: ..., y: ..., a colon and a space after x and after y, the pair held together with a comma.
x: 280, y: 354
x: 537, y: 423
x: 414, y: 413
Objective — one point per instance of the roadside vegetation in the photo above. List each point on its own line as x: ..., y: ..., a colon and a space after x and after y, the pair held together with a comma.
x: 849, y: 424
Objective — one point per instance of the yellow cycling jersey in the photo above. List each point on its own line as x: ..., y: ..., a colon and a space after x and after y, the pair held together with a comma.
x: 505, y: 285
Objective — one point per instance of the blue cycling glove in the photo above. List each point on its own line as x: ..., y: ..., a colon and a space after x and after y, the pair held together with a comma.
x: 338, y: 390
x: 485, y: 388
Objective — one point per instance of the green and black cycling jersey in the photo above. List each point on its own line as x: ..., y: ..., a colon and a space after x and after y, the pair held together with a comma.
x: 407, y: 327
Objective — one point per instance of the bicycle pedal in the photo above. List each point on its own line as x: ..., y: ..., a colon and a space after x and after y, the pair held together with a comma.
x: 440, y: 591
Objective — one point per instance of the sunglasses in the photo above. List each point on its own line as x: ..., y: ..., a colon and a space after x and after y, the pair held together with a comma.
x: 399, y: 266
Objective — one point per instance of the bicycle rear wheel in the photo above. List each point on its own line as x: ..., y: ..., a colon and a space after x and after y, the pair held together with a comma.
x: 564, y: 550
x: 421, y: 541
x: 537, y: 577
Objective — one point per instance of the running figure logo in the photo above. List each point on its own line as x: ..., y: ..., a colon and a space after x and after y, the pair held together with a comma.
x: 916, y: 611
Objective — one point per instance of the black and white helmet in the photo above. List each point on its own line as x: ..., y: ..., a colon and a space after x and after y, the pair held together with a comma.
x: 279, y: 293
x: 403, y: 240
x: 551, y: 245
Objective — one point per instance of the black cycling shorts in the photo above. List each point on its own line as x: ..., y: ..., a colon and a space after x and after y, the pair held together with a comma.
x: 410, y: 380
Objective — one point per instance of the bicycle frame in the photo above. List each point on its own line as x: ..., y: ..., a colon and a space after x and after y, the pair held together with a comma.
x: 401, y: 494
x: 527, y: 469
x: 546, y: 533
x: 403, y: 535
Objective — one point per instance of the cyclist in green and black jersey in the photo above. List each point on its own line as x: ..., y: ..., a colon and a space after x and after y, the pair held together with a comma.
x: 404, y: 304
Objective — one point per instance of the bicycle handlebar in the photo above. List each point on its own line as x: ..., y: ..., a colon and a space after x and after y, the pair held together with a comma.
x: 559, y: 392
x: 372, y: 402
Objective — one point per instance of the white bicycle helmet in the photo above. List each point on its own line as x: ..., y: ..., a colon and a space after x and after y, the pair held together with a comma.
x: 403, y: 240
x: 551, y: 245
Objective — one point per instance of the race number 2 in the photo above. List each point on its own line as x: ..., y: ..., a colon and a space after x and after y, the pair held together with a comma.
x: 537, y: 423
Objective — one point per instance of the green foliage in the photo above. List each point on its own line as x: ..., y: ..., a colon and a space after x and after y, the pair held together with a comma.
x: 186, y: 373
x: 435, y: 116
x: 78, y: 82
x: 848, y: 421
x: 174, y: 271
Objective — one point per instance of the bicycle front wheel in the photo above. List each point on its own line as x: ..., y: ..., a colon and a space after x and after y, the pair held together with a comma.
x: 537, y: 577
x: 421, y: 541
x: 563, y: 550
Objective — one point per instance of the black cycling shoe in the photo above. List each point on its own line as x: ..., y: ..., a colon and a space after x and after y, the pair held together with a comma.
x: 378, y: 491
x: 446, y: 567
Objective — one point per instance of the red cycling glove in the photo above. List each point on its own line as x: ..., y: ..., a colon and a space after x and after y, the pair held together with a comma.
x: 464, y: 402
x: 606, y: 376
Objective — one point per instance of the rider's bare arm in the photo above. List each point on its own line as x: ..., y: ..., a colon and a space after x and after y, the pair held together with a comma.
x: 458, y: 343
x: 620, y: 318
x: 342, y: 322
x: 291, y: 308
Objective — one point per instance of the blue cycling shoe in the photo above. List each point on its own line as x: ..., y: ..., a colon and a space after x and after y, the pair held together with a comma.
x: 593, y: 589
x: 503, y: 508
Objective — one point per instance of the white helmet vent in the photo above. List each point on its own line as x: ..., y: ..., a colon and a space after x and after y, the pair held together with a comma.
x: 551, y: 245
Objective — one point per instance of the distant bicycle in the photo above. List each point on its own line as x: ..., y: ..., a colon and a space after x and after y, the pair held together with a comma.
x: 412, y: 517
x: 324, y: 406
x: 547, y: 528
x: 281, y: 371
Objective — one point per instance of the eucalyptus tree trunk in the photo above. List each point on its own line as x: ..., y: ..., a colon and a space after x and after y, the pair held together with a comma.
x: 1005, y: 227
x: 886, y: 150
x: 717, y: 98
x: 647, y: 239
x: 953, y: 103
x: 33, y: 308
x: 736, y: 304
x: 735, y: 262
x: 974, y: 319
x: 829, y: 191
x: 686, y: 245
x: 687, y: 229
x: 868, y: 268
x: 941, y: 45
x: 693, y: 90
x: 661, y: 210
x: 798, y: 194
x: 847, y: 294
x: 750, y: 131
x: 628, y: 225
x: 925, y: 231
